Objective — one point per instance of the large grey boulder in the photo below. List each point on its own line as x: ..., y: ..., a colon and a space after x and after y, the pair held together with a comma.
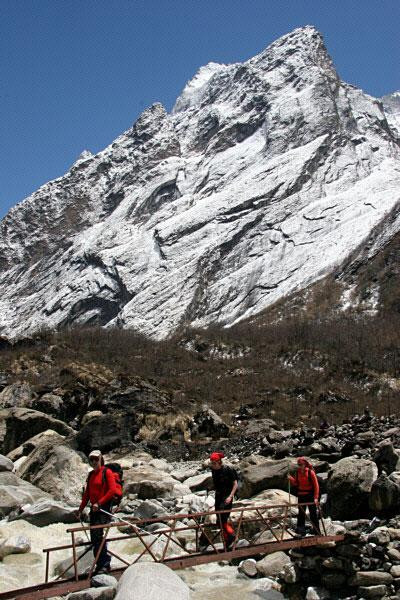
x: 148, y: 482
x: 108, y: 431
x: 6, y: 464
x: 17, y: 395
x: 15, y: 493
x: 50, y: 404
x: 368, y: 578
x: 46, y: 511
x: 19, y: 424
x: 149, y: 509
x: 272, y: 564
x: 268, y: 474
x: 203, y: 481
x: 151, y: 581
x: 84, y: 564
x: 379, y: 536
x: 103, y: 580
x: 26, y: 447
x: 206, y: 423
x: 384, y: 496
x: 259, y: 427
x: 184, y: 472
x: 387, y: 458
x: 14, y: 545
x: 275, y: 436
x: 57, y: 469
x: 349, y: 485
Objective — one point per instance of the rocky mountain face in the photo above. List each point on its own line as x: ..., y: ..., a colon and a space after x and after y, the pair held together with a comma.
x: 391, y: 105
x: 266, y: 175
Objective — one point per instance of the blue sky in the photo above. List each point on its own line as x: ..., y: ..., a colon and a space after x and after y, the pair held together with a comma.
x: 76, y: 73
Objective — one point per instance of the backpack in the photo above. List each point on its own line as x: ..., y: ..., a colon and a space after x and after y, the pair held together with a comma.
x: 309, y: 479
x: 117, y: 473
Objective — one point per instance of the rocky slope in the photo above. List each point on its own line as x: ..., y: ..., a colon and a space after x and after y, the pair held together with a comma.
x: 265, y: 176
x: 358, y: 466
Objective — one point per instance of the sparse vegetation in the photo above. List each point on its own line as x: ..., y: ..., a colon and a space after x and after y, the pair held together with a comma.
x: 298, y: 368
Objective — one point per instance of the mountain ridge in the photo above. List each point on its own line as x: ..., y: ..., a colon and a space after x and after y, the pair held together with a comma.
x: 207, y: 214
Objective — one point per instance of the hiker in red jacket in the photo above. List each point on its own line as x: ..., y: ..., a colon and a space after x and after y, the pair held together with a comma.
x: 307, y: 486
x: 100, y: 490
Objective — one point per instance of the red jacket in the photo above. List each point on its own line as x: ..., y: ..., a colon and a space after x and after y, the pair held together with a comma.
x: 306, y: 482
x: 98, y: 491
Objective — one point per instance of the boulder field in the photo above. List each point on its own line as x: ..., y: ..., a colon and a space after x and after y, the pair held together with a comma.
x: 41, y: 478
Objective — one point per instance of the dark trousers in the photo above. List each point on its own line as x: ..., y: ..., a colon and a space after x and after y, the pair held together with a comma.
x: 96, y: 536
x: 227, y: 529
x: 312, y: 509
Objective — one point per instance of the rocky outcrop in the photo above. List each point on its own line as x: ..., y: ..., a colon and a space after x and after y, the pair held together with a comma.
x: 108, y: 431
x: 17, y: 395
x: 206, y: 423
x: 54, y: 467
x: 19, y: 424
x: 349, y: 485
x: 119, y: 414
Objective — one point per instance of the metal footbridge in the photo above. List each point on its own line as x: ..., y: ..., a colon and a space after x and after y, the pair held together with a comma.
x: 259, y: 530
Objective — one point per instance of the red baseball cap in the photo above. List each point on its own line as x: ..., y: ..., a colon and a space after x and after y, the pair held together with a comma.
x: 216, y: 455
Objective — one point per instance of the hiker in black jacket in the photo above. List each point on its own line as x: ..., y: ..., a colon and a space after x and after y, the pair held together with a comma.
x: 225, y: 481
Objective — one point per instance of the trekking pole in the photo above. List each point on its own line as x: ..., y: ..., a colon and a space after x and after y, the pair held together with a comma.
x: 119, y: 520
x: 86, y: 533
x: 290, y: 503
x: 138, y: 530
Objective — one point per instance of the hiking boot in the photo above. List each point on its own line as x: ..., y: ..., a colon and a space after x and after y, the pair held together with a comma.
x: 102, y: 570
x: 203, y: 543
x: 230, y: 541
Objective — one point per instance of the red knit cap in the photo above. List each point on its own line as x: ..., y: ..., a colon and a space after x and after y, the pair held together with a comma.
x: 216, y: 455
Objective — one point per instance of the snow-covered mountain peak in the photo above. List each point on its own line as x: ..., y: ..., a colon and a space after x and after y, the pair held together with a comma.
x: 192, y: 91
x: 266, y: 175
x: 303, y: 47
x: 84, y: 156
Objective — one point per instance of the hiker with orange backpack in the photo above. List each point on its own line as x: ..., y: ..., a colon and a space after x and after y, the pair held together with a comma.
x: 103, y: 489
x: 306, y: 483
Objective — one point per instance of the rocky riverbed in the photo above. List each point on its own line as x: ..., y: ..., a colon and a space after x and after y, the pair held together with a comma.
x: 358, y: 465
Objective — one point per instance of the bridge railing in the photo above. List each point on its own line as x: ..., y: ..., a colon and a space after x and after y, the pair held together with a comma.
x: 258, y: 529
